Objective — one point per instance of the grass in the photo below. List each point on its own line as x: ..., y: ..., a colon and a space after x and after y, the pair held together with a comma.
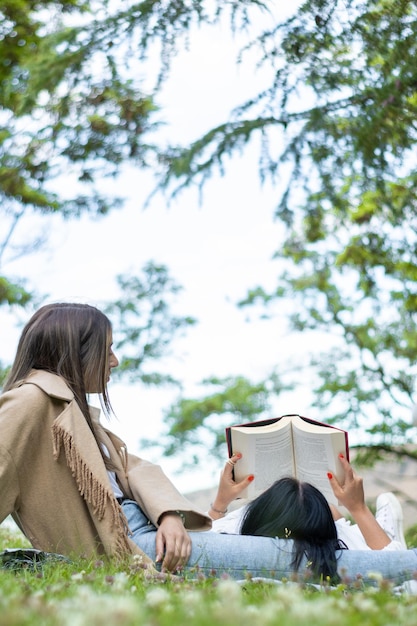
x: 97, y: 593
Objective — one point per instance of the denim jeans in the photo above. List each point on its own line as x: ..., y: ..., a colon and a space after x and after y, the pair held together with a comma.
x: 240, y: 555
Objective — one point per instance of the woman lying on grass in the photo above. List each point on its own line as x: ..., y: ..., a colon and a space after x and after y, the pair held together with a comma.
x: 297, y: 510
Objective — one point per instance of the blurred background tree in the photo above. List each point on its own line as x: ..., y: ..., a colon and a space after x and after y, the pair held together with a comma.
x: 338, y: 126
x: 335, y: 130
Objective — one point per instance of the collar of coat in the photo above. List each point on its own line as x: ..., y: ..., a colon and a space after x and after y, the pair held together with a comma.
x: 51, y: 384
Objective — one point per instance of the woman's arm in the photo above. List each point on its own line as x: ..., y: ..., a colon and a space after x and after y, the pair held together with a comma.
x: 228, y: 489
x: 148, y: 485
x: 351, y: 495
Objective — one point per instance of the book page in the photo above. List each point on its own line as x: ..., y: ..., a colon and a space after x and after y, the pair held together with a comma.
x: 316, y: 451
x: 267, y: 453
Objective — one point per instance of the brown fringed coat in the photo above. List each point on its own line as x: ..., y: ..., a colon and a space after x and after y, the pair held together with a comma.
x: 54, y: 483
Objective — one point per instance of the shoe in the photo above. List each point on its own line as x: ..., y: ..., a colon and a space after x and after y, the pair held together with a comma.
x: 389, y: 516
x: 409, y: 586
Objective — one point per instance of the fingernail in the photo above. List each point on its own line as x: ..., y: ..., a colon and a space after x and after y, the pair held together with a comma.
x: 251, y: 478
x: 329, y: 475
x: 341, y: 456
x: 238, y: 454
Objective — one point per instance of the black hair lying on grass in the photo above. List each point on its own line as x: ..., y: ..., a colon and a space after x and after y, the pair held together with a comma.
x: 296, y: 510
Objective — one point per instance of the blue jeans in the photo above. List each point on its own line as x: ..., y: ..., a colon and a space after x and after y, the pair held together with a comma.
x: 240, y: 555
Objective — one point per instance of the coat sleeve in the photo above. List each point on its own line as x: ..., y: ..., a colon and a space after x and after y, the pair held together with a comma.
x: 11, y: 448
x: 23, y: 413
x: 9, y: 484
x: 155, y: 494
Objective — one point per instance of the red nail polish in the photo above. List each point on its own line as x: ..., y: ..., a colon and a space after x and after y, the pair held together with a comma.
x: 251, y: 477
x: 341, y: 456
x: 329, y: 475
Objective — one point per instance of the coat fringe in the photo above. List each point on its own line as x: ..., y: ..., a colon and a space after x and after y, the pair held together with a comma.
x: 93, y: 492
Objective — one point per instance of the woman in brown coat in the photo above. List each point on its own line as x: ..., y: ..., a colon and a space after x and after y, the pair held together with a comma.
x: 62, y: 475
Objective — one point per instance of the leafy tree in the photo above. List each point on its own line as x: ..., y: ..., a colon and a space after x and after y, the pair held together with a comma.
x: 63, y: 109
x: 337, y: 130
x: 336, y: 133
x: 195, y: 426
x: 72, y: 100
x: 144, y: 324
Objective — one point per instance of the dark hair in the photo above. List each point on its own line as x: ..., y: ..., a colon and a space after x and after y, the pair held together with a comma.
x: 71, y: 340
x: 298, y: 511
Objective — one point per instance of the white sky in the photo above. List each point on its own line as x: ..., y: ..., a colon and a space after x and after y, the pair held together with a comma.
x: 216, y: 251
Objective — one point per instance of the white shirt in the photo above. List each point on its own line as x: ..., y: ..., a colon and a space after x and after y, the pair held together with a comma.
x: 118, y: 493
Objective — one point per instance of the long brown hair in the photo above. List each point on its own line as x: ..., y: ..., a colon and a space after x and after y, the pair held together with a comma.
x: 71, y: 340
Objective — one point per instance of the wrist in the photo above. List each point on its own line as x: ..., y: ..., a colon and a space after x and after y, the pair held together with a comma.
x: 359, y: 511
x: 218, y: 509
x: 179, y: 514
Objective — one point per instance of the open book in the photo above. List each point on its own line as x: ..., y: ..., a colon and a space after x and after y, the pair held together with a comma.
x: 290, y: 445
